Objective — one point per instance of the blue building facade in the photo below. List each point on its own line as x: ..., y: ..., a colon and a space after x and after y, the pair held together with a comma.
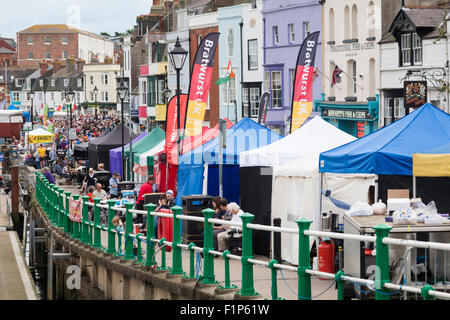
x: 286, y: 24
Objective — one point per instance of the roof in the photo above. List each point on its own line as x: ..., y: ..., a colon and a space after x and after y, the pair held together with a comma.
x: 427, y: 19
x: 389, y: 151
x: 6, y: 51
x: 58, y: 28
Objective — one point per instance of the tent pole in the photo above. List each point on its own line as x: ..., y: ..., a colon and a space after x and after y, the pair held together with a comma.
x: 319, y: 211
x: 414, y: 187
x: 376, y: 189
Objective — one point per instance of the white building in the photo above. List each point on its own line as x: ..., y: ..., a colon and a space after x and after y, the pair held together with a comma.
x: 416, y: 48
x: 103, y: 77
x: 351, y: 31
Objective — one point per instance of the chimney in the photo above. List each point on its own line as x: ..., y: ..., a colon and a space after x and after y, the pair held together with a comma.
x: 44, y: 67
x: 57, y: 66
x: 70, y: 65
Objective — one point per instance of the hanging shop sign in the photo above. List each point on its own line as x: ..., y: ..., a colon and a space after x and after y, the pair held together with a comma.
x: 415, y: 94
x: 347, y: 114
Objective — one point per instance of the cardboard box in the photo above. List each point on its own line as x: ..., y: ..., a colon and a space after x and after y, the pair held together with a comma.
x: 398, y: 199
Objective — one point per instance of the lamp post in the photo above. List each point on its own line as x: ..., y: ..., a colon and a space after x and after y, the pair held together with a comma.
x: 122, y: 91
x: 32, y: 111
x: 70, y: 96
x: 95, y: 94
x: 166, y: 93
x: 177, y: 58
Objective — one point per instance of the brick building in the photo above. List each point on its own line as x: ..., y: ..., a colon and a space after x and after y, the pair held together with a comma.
x: 60, y: 42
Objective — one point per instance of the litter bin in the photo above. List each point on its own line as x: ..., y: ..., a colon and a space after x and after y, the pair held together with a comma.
x: 152, y: 198
x: 193, y: 206
x: 125, y: 185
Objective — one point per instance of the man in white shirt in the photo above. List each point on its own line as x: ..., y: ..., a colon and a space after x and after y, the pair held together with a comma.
x: 99, y: 192
x: 222, y: 237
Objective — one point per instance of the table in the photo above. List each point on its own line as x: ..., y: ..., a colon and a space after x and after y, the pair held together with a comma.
x: 355, y: 260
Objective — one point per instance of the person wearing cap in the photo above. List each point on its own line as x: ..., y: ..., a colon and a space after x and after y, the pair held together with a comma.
x: 170, y: 198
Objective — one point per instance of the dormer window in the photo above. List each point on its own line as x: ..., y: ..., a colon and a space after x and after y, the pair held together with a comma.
x: 411, y: 49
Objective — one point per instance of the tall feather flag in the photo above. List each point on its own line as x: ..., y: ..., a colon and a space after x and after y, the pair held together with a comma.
x: 302, y: 96
x: 201, y: 74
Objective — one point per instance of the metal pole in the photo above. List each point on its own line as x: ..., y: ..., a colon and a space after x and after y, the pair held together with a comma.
x: 178, y: 119
x: 220, y: 158
x: 130, y: 161
x: 382, y: 262
x: 32, y: 118
x: 123, y: 140
x: 304, y: 279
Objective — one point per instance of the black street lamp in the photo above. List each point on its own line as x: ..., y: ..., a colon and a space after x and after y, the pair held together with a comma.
x: 177, y: 58
x: 32, y: 111
x: 122, y: 91
x: 95, y: 94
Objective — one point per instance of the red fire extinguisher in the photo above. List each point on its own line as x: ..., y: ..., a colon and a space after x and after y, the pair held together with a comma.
x: 326, y: 256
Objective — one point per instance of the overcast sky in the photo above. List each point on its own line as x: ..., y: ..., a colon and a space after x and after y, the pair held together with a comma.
x: 91, y: 15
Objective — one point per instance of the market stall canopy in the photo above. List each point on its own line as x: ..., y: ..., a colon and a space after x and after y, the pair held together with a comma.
x: 433, y: 163
x: 99, y: 147
x: 153, y: 138
x: 389, y: 151
x: 12, y: 107
x: 40, y: 136
x: 312, y: 138
x: 81, y: 151
x: 192, y: 142
x: 146, y: 159
x: 115, y: 155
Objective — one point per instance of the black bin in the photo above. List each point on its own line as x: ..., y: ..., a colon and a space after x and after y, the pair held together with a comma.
x: 125, y: 185
x: 152, y: 198
x: 103, y: 178
x: 193, y: 206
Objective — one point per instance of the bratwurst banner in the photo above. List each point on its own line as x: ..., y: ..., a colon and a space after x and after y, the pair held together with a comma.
x: 172, y: 124
x: 200, y: 83
x: 302, y: 97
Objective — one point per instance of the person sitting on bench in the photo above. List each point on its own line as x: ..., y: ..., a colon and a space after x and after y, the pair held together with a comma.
x: 222, y: 238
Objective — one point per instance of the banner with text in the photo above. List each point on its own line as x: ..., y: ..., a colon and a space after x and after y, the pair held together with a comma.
x: 263, y: 105
x: 302, y: 97
x: 200, y: 83
x: 172, y: 124
x: 75, y: 210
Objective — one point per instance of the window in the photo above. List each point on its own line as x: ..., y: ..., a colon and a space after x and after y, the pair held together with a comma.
x: 275, y: 35
x: 254, y: 102
x: 152, y: 93
x: 30, y: 40
x: 354, y: 22
x: 79, y: 83
x: 64, y: 55
x: 417, y: 48
x: 144, y: 93
x: 66, y: 82
x: 104, y: 79
x: 331, y: 25
x: 351, y: 82
x: 52, y: 96
x: 406, y: 49
x: 253, y: 54
x: 229, y: 96
x: 267, y: 81
x: 53, y: 82
x: 393, y: 110
x: 47, y: 55
x: 30, y: 55
x: 230, y: 42
x: 16, y: 96
x: 41, y: 83
x: 105, y: 96
x: 92, y: 80
x: 161, y: 87
x: 372, y: 77
x: 347, y: 22
x: 64, y: 40
x: 92, y: 96
x: 78, y: 96
x: 47, y: 40
x: 291, y: 81
x: 276, y: 89
x: 371, y: 19
x: 291, y: 32
x: 306, y: 29
x: 62, y: 96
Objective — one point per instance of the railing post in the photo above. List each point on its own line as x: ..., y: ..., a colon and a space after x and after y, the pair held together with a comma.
x: 84, y: 221
x: 227, y: 272
x: 60, y: 207
x: 97, y: 232
x: 208, y: 267
x: 340, y: 284
x: 52, y: 203
x: 129, y: 255
x: 247, y: 253
x: 162, y: 242
x: 139, y: 248
x: 76, y: 225
x: 177, y: 266
x: 67, y: 213
x: 47, y: 198
x: 111, y: 237
x: 425, y: 292
x: 191, y: 261
x: 274, y: 291
x: 150, y: 235
x: 304, y: 263
x: 382, y: 261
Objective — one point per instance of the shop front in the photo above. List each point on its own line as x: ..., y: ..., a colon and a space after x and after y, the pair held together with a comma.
x: 356, y: 118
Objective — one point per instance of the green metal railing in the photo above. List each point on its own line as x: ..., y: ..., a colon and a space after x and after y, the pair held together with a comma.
x: 50, y: 198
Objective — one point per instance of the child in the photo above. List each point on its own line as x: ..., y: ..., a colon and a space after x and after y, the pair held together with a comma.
x: 118, y: 224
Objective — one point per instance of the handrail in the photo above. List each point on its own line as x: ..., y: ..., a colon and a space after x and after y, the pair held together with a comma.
x: 51, y: 199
